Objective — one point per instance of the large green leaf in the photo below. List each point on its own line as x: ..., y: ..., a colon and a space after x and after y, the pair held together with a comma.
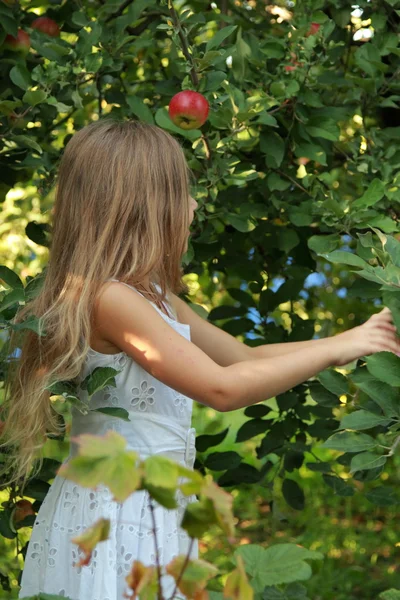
x: 385, y: 366
x: 278, y: 564
x: 362, y: 419
x: 347, y: 441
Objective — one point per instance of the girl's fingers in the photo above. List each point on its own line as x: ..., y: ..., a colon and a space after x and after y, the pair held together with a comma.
x: 387, y: 326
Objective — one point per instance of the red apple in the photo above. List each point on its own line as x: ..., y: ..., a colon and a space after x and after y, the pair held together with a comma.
x: 188, y: 109
x: 314, y: 28
x: 20, y: 43
x: 22, y: 509
x: 290, y: 68
x: 47, y: 26
x: 303, y: 160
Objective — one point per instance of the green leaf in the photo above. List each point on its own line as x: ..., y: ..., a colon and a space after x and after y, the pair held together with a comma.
x: 327, y: 130
x: 322, y: 396
x: 287, y: 239
x: 383, y: 496
x: 20, y: 75
x: 219, y: 461
x: 381, y: 393
x: 272, y: 145
x: 346, y: 258
x: 366, y: 460
x: 27, y: 142
x: 205, y: 441
x: 323, y: 244
x: 241, y: 223
x: 244, y: 473
x: 6, y: 527
x: 226, y: 312
x: 257, y: 410
x: 8, y: 22
x: 362, y: 419
x: 391, y: 594
x: 10, y: 278
x: 112, y: 411
x: 14, y: 297
x: 385, y: 366
x: 220, y: 36
x: 37, y: 232
x: 34, y: 97
x: 340, y: 487
x: 373, y: 194
x: 37, y: 489
x: 250, y: 429
x: 334, y: 381
x: 79, y: 18
x: 161, y: 471
x: 98, y: 379
x: 140, y: 109
x: 213, y: 80
x: 241, y: 296
x: 348, y: 441
x: 293, y: 494
x: 277, y: 564
x: 104, y: 460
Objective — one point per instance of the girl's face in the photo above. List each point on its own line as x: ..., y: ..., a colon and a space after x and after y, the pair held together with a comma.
x: 193, y: 206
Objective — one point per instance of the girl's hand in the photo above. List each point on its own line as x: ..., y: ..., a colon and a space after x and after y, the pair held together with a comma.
x: 378, y: 334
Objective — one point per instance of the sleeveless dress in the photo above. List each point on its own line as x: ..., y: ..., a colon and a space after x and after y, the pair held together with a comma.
x: 160, y: 423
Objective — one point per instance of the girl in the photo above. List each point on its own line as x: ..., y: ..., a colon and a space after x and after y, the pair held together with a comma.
x: 110, y: 298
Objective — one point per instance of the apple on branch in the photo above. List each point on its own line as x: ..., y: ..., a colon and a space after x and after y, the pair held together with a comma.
x: 314, y: 28
x: 47, y: 26
x: 188, y: 109
x: 22, y: 509
x: 21, y: 43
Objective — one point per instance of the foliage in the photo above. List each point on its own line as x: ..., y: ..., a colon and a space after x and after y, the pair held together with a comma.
x: 297, y: 173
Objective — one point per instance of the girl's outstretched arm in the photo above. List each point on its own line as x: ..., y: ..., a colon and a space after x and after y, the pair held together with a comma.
x: 129, y: 322
x: 223, y: 347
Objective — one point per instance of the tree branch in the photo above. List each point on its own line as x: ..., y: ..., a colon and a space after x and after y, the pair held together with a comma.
x: 119, y: 12
x: 185, y: 46
x: 160, y: 595
x: 183, y: 567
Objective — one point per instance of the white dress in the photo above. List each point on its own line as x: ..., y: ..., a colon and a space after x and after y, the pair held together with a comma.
x: 160, y: 423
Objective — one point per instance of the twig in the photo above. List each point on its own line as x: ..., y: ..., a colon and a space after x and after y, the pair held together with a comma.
x: 187, y: 557
x: 119, y: 11
x: 393, y: 448
x: 193, y: 73
x: 98, y: 86
x: 140, y: 28
x: 185, y: 47
x: 160, y: 595
x: 294, y: 182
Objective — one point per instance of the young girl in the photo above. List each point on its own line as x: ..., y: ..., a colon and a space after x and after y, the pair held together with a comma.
x: 110, y: 298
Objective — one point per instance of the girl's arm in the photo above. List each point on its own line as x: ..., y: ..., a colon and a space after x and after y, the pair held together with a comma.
x: 224, y: 348
x: 270, y: 350
x: 129, y: 322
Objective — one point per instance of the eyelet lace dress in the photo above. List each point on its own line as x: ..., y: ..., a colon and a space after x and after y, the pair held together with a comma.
x: 160, y: 423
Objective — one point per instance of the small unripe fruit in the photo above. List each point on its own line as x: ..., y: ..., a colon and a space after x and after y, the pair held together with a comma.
x: 47, y: 26
x: 188, y: 109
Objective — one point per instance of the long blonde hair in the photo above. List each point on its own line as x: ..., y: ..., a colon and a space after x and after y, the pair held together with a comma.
x: 121, y: 211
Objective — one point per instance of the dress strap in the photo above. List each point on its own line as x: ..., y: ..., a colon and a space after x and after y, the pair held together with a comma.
x: 169, y: 308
